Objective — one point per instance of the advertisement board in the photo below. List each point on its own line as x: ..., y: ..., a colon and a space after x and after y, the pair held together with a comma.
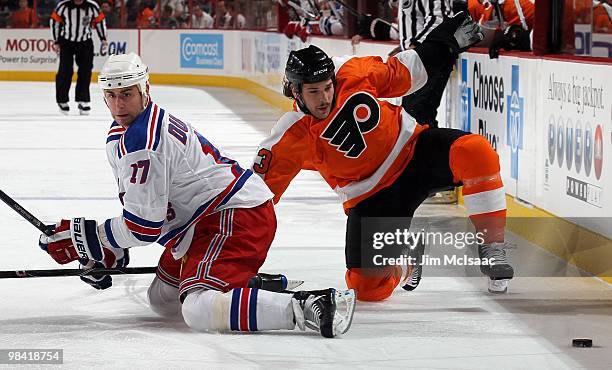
x: 201, y: 50
x: 32, y: 49
x: 493, y: 100
x: 575, y: 134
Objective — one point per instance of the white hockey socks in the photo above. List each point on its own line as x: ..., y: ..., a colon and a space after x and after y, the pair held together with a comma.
x: 241, y: 309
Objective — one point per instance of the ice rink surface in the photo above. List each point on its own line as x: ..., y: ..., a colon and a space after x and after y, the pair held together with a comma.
x: 55, y: 166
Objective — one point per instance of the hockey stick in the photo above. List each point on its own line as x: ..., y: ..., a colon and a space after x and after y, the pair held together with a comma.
x: 272, y: 282
x: 45, y: 229
x: 76, y: 272
x: 263, y: 281
x: 301, y: 11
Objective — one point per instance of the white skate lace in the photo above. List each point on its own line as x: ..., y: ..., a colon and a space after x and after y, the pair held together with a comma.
x: 496, y: 253
x: 312, y: 311
x: 415, y: 275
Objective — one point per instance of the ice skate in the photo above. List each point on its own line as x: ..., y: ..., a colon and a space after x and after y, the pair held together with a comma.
x: 318, y: 310
x: 499, y: 272
x: 64, y: 108
x: 84, y: 108
x: 415, y: 271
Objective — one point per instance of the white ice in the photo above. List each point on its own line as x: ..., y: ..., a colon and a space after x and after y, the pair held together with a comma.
x: 55, y: 166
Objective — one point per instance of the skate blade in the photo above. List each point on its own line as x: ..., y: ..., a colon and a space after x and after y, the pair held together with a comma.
x: 292, y: 284
x: 498, y: 286
x: 344, y: 318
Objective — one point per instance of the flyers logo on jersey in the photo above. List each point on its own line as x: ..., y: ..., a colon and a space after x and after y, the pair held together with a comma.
x: 359, y: 115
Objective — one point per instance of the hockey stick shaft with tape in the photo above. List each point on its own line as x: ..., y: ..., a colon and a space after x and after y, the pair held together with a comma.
x: 271, y: 282
x: 45, y: 229
x: 76, y: 272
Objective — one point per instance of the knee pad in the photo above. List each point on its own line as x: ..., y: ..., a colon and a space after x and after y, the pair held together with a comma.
x: 164, y: 298
x: 373, y: 284
x: 474, y: 163
x: 207, y: 310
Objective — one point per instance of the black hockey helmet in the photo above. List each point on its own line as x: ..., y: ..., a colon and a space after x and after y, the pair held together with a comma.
x: 308, y: 65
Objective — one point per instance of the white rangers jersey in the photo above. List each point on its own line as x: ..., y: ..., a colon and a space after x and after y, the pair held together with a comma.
x: 169, y: 178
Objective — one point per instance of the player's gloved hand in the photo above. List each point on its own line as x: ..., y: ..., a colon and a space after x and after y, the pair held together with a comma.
x: 80, y: 238
x: 458, y: 32
x: 513, y: 38
x: 100, y: 281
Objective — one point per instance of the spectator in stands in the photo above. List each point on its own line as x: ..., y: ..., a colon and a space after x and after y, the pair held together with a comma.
x: 146, y: 16
x: 5, y: 12
x: 236, y: 20
x: 178, y: 7
x: 112, y: 20
x: 167, y: 18
x: 44, y: 8
x: 602, y: 16
x: 200, y: 19
x: 206, y: 6
x: 24, y: 17
x: 222, y: 16
x: 485, y: 12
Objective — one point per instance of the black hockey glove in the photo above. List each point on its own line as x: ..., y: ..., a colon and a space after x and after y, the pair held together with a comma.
x: 513, y: 38
x: 99, y: 281
x: 458, y: 33
x: 444, y: 42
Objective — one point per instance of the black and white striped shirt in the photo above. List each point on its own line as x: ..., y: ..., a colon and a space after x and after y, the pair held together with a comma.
x: 74, y: 22
x: 417, y: 18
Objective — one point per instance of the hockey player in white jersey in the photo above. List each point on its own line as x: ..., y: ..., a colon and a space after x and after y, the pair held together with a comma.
x: 215, y: 220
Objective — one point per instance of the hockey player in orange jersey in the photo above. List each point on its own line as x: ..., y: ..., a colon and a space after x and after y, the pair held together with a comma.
x: 519, y: 12
x: 375, y: 156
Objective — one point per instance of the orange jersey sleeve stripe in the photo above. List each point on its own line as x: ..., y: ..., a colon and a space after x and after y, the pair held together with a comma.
x: 56, y: 17
x: 97, y: 19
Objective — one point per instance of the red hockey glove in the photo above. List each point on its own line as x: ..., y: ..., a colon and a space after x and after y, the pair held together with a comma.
x: 79, y: 239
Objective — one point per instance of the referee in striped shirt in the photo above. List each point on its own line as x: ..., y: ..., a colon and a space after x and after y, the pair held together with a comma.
x: 71, y: 24
x: 416, y: 19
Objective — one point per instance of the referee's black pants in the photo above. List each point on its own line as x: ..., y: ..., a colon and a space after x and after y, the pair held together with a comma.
x: 423, y: 104
x: 82, y: 52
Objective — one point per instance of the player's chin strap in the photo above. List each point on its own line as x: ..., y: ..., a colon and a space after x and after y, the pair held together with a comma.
x: 145, y: 96
x: 302, y: 106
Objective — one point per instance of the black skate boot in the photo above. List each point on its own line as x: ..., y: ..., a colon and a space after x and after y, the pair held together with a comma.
x: 500, y: 271
x: 84, y: 108
x: 64, y: 108
x: 317, y: 310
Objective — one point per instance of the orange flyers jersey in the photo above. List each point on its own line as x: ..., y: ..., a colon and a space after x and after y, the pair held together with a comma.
x: 483, y: 11
x: 363, y: 145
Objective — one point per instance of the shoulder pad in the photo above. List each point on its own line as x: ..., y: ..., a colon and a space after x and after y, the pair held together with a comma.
x: 144, y: 132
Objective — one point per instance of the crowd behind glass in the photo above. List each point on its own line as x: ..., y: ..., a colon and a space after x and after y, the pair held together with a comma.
x: 258, y: 14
